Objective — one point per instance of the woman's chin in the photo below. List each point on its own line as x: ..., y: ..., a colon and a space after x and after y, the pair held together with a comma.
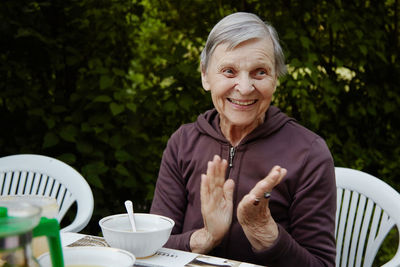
x: 243, y: 122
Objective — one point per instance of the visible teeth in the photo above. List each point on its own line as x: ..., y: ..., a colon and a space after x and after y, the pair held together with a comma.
x: 243, y: 103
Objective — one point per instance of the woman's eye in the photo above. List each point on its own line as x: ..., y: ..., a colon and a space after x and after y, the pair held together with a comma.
x: 260, y: 73
x: 229, y: 72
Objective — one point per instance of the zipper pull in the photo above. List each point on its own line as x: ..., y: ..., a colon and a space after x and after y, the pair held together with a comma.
x: 231, y: 155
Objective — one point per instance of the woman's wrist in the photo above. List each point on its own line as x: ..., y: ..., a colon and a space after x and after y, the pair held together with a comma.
x: 201, y: 241
x: 262, y: 238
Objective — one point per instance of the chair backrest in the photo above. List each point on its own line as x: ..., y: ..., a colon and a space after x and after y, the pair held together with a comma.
x: 367, y: 209
x: 28, y: 174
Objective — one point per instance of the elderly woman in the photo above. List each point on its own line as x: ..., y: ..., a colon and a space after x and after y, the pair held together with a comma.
x: 245, y: 181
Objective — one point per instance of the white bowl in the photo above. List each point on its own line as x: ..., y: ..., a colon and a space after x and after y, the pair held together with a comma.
x: 152, y: 232
x: 92, y: 256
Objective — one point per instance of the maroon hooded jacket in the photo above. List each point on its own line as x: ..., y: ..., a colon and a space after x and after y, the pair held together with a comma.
x: 303, y: 204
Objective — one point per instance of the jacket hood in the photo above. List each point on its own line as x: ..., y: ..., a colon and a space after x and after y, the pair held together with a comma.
x: 208, y: 123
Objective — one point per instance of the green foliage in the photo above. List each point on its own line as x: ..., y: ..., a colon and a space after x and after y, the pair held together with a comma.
x: 102, y: 85
x: 388, y: 248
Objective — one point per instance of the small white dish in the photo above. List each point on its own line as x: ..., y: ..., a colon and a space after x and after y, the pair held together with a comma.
x: 92, y: 256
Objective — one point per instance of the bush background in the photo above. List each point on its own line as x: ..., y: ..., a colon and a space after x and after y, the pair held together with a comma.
x: 102, y: 84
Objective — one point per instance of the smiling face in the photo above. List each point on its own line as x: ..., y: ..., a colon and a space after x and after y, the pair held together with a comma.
x: 242, y: 81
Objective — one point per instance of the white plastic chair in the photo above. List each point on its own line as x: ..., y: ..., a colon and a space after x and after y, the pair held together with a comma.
x: 367, y: 209
x: 28, y: 174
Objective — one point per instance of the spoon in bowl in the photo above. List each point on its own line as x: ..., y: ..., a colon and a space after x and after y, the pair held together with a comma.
x: 129, y: 209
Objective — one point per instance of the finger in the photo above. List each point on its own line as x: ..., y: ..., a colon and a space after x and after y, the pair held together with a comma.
x: 203, y: 193
x: 266, y: 184
x: 220, y: 172
x: 216, y: 171
x: 274, y: 177
x: 211, y: 173
x: 204, y: 188
x: 228, y: 190
x: 210, y: 168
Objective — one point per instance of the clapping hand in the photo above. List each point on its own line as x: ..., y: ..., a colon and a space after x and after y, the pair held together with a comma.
x: 216, y: 206
x: 254, y: 214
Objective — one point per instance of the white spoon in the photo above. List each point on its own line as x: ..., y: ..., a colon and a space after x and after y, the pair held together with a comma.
x: 129, y: 209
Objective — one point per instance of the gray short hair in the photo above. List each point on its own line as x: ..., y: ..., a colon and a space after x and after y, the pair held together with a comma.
x: 237, y: 28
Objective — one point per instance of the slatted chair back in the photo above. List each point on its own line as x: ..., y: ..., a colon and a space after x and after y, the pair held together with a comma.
x: 367, y: 209
x: 29, y: 174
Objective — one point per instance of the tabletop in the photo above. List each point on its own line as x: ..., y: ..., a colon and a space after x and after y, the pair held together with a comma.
x: 164, y: 257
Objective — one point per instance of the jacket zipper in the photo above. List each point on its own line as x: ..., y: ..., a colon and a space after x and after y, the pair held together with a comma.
x: 231, y: 155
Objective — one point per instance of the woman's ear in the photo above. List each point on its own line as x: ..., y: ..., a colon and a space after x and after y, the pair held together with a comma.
x: 204, y: 80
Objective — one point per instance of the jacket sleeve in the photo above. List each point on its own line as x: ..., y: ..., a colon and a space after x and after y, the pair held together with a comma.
x: 309, y: 240
x: 170, y: 195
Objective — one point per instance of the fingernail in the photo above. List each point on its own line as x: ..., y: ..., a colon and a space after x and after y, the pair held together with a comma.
x: 267, y: 195
x: 256, y: 202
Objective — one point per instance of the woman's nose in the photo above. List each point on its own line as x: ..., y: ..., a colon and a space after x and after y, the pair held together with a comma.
x: 244, y: 84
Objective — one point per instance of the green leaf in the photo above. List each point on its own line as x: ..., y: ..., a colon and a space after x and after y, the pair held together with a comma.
x: 312, y: 57
x: 94, y: 180
x: 305, y: 42
x: 69, y: 133
x: 50, y: 122
x: 131, y: 107
x: 95, y: 168
x: 381, y: 56
x: 170, y: 106
x: 116, y: 108
x: 84, y: 147
x: 363, y: 49
x: 102, y: 98
x: 290, y: 34
x: 186, y: 102
x: 123, y: 156
x: 86, y: 127
x: 336, y: 26
x: 50, y: 140
x: 118, y: 72
x: 92, y: 172
x: 68, y: 158
x: 122, y: 170
x: 105, y: 82
x: 117, y: 141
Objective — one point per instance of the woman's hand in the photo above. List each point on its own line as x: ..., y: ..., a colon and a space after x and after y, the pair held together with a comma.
x: 216, y: 207
x: 254, y: 215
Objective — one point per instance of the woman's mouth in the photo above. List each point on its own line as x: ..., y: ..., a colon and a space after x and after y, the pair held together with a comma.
x: 242, y: 102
